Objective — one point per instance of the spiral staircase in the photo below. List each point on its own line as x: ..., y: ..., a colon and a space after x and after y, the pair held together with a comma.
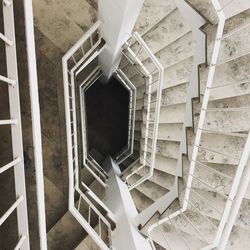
x: 182, y: 181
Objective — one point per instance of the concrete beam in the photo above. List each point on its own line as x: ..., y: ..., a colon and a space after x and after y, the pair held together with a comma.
x: 118, y: 20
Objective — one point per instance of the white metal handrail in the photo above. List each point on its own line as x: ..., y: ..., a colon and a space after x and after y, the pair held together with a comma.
x: 129, y: 149
x: 74, y: 61
x: 20, y: 205
x: 190, y: 189
x: 154, y: 76
x: 36, y: 125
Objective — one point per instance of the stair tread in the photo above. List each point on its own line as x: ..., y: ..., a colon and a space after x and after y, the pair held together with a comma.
x: 165, y: 148
x: 152, y: 13
x: 55, y: 204
x: 164, y: 164
x: 168, y: 132
x: 168, y: 56
x: 171, y: 96
x: 149, y: 188
x: 66, y: 22
x: 160, y: 178
x: 58, y: 236
x: 170, y: 114
x: 141, y: 200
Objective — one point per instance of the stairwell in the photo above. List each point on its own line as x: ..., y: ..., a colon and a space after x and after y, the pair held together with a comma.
x: 58, y: 25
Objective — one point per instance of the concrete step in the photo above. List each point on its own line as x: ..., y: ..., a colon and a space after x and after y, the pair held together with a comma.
x: 165, y: 148
x: 164, y: 164
x: 140, y: 92
x: 169, y: 132
x: 171, y: 209
x: 139, y: 104
x: 132, y: 167
x: 218, y: 176
x: 176, y: 74
x: 157, y: 42
x: 55, y: 203
x: 141, y: 200
x: 206, y: 8
x: 137, y: 136
x: 170, y: 114
x: 63, y: 22
x: 160, y: 178
x: 235, y: 45
x: 152, y: 12
x: 130, y: 160
x: 229, y: 148
x: 88, y: 243
x: 138, y: 115
x: 170, y: 96
x: 137, y: 79
x: 66, y: 234
x: 237, y: 22
x: 218, y: 201
x: 226, y: 121
x: 149, y: 188
x: 138, y: 125
x: 233, y: 77
x: 168, y: 30
x: 235, y: 7
x: 137, y: 146
x: 239, y: 239
x: 168, y: 235
x: 170, y: 55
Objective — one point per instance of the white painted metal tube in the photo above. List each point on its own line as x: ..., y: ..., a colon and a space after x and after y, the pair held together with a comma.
x: 160, y: 69
x: 9, y: 165
x: 6, y: 40
x: 92, y: 233
x: 68, y: 133
x: 36, y: 126
x: 79, y: 43
x: 10, y: 210
x: 7, y: 80
x: 8, y: 122
x: 20, y: 242
x: 111, y: 215
x: 16, y: 131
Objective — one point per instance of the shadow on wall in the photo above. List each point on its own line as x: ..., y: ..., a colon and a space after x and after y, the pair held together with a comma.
x: 107, y: 108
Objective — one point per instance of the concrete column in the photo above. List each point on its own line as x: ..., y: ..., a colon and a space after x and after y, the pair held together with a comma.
x: 118, y: 19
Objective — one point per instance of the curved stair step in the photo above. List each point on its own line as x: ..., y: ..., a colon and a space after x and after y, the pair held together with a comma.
x: 165, y: 148
x: 69, y: 24
x: 141, y: 200
x: 149, y: 188
x: 168, y: 132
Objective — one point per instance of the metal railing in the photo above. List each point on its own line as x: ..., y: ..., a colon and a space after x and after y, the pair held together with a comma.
x: 74, y: 62
x: 129, y: 149
x: 195, y: 180
x: 11, y: 80
x: 152, y: 77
